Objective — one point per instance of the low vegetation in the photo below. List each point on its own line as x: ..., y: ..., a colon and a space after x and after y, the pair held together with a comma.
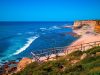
x: 67, y: 65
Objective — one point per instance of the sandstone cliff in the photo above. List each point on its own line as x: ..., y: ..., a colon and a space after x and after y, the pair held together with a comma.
x: 88, y: 26
x: 23, y: 63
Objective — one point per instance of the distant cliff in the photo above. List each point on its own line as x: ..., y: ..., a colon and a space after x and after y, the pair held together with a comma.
x: 87, y: 26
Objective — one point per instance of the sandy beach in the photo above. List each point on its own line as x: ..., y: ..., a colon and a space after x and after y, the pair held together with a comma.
x: 87, y: 38
x: 83, y: 40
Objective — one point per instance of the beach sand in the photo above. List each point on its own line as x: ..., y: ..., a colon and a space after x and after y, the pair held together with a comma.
x: 83, y: 40
x: 87, y: 38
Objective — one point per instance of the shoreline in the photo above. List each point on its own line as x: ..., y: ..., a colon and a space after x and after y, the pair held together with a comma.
x: 76, y: 44
x: 22, y: 63
x: 88, y: 38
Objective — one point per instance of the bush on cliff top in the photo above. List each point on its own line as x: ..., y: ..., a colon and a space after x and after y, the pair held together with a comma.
x: 88, y: 66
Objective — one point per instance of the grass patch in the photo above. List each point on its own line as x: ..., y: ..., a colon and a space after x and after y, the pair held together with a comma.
x: 62, y: 66
x: 93, y: 50
x: 75, y: 55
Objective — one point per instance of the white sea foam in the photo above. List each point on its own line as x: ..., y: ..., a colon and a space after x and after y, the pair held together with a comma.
x: 51, y: 28
x: 43, y: 29
x: 29, y: 32
x: 54, y: 27
x: 30, y: 40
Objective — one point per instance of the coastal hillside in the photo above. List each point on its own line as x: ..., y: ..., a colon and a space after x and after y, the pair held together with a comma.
x: 76, y: 63
x: 49, y: 37
x: 81, y: 57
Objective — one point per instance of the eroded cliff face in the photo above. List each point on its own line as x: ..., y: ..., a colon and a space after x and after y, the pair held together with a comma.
x: 23, y: 63
x: 88, y: 22
x: 85, y: 27
x: 97, y: 26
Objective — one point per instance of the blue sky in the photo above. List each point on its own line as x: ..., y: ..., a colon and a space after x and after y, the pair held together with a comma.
x: 49, y: 10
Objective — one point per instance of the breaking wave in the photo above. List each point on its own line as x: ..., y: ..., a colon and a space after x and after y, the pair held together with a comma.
x: 54, y: 27
x: 30, y: 40
x: 50, y: 28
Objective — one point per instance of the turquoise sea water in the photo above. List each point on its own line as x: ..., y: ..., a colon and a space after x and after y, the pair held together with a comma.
x: 20, y: 38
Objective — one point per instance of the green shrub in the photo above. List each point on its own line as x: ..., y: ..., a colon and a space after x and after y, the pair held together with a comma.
x: 93, y: 50
x: 95, y: 71
x: 75, y: 55
x: 74, y: 68
x: 88, y: 66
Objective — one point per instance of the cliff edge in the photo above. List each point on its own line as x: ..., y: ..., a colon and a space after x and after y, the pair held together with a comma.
x: 85, y: 27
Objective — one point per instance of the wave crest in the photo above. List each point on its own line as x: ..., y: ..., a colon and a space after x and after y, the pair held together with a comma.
x: 54, y: 27
x: 51, y: 28
x: 30, y: 40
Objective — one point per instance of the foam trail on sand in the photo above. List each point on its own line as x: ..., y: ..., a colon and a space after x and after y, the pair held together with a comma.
x: 30, y: 40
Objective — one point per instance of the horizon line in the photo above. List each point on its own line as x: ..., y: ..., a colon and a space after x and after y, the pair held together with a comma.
x: 50, y: 21
x: 36, y: 21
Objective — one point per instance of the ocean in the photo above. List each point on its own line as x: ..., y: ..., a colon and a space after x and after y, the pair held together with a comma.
x: 18, y: 39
